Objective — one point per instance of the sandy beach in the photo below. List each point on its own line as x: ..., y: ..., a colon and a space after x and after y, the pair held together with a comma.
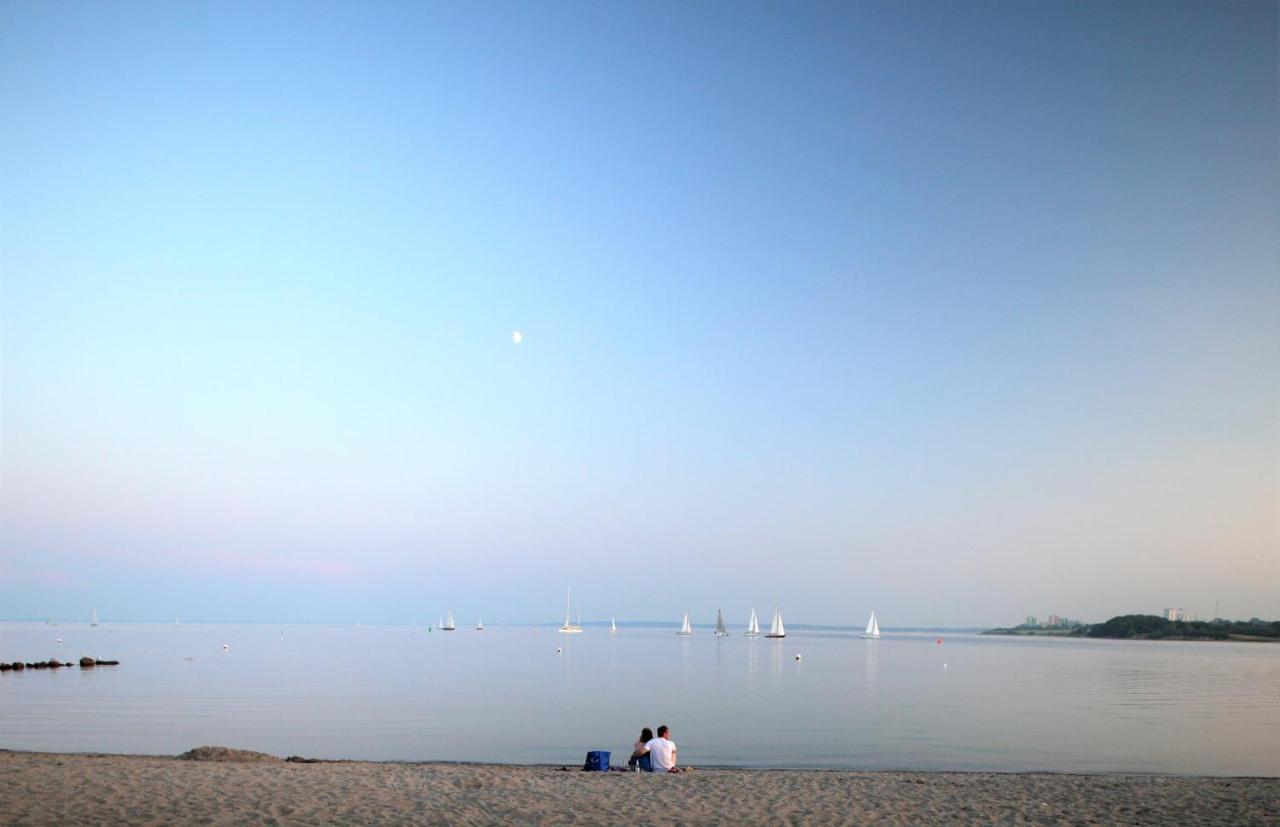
x: 227, y: 787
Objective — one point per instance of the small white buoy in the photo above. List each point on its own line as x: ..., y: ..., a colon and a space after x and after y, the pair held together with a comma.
x: 226, y: 647
x: 59, y: 640
x: 559, y: 650
x: 944, y: 667
x: 798, y: 657
x: 516, y: 337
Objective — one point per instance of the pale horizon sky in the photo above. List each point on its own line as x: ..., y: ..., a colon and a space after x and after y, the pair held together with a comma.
x: 958, y: 311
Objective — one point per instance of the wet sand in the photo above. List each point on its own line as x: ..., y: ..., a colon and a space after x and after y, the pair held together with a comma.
x: 228, y: 787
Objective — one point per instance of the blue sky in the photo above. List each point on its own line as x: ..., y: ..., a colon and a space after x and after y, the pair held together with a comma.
x: 958, y: 311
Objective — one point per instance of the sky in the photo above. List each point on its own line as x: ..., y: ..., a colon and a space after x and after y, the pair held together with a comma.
x: 958, y: 311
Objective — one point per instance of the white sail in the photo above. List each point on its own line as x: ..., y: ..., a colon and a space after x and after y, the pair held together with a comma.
x: 776, y: 628
x: 686, y: 629
x: 480, y: 625
x: 721, y: 631
x: 448, y: 621
x: 94, y: 620
x: 873, y: 627
x: 613, y: 626
x: 753, y: 625
x: 568, y: 628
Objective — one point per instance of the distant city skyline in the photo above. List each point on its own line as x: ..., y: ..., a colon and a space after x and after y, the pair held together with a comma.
x: 961, y: 312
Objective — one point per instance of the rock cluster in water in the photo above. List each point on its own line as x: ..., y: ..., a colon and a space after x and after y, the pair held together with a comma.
x: 85, y: 663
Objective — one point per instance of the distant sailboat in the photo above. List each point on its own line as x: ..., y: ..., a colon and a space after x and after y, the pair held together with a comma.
x: 613, y: 626
x: 686, y: 630
x: 480, y: 625
x: 753, y: 625
x: 776, y: 629
x: 721, y: 631
x: 448, y: 621
x: 873, y: 628
x: 93, y: 621
x: 569, y: 628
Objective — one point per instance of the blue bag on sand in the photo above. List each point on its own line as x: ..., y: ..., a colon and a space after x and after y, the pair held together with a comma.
x: 597, y: 761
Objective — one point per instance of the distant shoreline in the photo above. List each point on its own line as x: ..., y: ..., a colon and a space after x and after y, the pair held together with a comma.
x: 1153, y: 627
x: 1180, y: 639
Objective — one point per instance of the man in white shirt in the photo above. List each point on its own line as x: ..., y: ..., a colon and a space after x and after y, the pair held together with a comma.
x: 662, y: 752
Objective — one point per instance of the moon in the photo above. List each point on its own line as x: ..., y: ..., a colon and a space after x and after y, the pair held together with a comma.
x: 517, y: 337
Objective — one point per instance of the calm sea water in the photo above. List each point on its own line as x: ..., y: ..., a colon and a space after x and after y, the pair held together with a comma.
x: 505, y: 694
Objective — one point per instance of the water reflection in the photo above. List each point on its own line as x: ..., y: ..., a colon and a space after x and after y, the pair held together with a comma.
x: 684, y: 662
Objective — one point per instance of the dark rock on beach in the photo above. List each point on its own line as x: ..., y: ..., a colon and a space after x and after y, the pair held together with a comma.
x: 108, y: 663
x: 226, y: 754
x: 88, y: 661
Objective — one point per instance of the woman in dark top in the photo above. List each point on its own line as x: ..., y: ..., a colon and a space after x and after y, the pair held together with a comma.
x: 640, y: 753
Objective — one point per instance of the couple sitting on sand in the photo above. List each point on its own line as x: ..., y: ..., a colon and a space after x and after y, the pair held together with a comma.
x: 655, y: 754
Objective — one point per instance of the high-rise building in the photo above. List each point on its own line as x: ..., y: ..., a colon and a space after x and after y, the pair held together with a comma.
x: 1032, y: 622
x: 1175, y: 614
x: 1054, y: 620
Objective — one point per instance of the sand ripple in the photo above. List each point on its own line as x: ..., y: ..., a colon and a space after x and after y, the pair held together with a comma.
x: 225, y: 788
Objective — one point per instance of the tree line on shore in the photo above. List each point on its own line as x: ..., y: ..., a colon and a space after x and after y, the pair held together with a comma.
x: 1154, y: 627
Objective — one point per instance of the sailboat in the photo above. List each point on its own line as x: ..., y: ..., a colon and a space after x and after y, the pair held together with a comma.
x: 93, y: 621
x: 721, y: 631
x: 776, y: 629
x: 448, y: 621
x: 753, y: 625
x: 569, y: 628
x: 480, y: 625
x: 686, y: 630
x: 613, y: 626
x: 873, y: 628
